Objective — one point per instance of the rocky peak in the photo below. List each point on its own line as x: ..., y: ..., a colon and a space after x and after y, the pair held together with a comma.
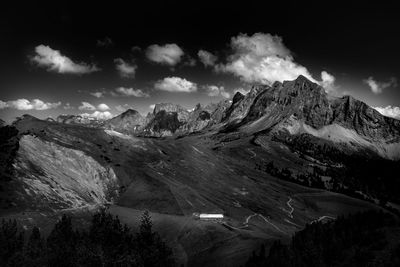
x: 182, y: 113
x: 130, y: 121
x: 237, y: 97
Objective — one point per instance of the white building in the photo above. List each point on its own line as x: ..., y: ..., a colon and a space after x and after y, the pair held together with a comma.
x: 211, y: 216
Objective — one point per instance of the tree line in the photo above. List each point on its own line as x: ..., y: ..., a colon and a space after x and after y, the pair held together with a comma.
x: 369, y: 238
x: 107, y: 242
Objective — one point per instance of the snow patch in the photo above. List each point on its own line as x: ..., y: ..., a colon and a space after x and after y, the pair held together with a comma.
x: 117, y: 134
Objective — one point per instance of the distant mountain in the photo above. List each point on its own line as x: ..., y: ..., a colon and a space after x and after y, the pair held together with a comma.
x: 130, y: 122
x: 301, y: 107
x: 80, y: 120
x: 285, y: 110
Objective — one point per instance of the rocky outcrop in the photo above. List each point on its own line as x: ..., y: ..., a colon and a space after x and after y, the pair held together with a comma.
x: 130, y: 122
x: 54, y: 176
x: 163, y: 124
x: 80, y: 120
x: 241, y: 103
x: 182, y: 114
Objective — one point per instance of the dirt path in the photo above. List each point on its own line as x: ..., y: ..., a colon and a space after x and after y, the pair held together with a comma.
x: 252, y: 152
x: 291, y: 209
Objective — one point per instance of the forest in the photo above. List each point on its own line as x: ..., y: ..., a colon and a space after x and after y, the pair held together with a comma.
x: 107, y: 242
x: 369, y: 238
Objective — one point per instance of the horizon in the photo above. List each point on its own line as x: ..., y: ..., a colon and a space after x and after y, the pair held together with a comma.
x: 190, y: 109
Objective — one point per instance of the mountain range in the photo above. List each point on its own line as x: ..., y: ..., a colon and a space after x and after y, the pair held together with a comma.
x: 271, y: 161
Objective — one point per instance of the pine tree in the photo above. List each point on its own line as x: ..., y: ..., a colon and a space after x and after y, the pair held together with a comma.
x: 34, y: 249
x: 61, y: 244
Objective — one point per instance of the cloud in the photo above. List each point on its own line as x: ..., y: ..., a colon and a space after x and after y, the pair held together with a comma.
x: 378, y: 87
x: 105, y: 42
x: 25, y: 104
x: 328, y: 82
x: 103, y: 107
x: 389, y: 111
x: 207, y: 58
x: 168, y: 54
x: 213, y: 90
x: 53, y: 60
x: 136, y: 48
x: 98, y: 94
x: 3, y: 104
x: 123, y: 91
x: 125, y: 69
x: 175, y: 84
x: 68, y: 106
x: 191, y: 62
x: 100, y: 115
x: 122, y: 108
x: 261, y: 58
x: 86, y: 106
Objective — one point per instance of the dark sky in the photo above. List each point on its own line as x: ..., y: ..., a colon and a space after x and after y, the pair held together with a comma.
x: 351, y: 41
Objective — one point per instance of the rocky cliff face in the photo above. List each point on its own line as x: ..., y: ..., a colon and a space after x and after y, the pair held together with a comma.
x: 298, y: 107
x: 241, y: 104
x: 50, y: 176
x: 129, y: 121
x: 182, y: 114
x: 79, y: 120
x: 303, y: 107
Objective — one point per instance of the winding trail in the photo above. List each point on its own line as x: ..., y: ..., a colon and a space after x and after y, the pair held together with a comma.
x: 291, y: 209
x: 246, y: 223
x: 252, y: 152
x: 262, y: 217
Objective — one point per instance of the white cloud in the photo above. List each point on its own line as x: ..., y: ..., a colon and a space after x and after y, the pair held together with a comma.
x: 378, y: 87
x: 86, y: 106
x: 68, y: 106
x: 191, y: 62
x: 54, y: 61
x: 175, y: 84
x: 100, y: 115
x: 3, y: 104
x: 169, y: 54
x: 125, y: 69
x: 103, y: 107
x: 328, y: 83
x: 25, y: 104
x: 262, y: 58
x: 389, y: 111
x: 136, y: 48
x: 213, y: 90
x: 98, y: 94
x: 207, y: 58
x: 105, y: 42
x: 123, y: 91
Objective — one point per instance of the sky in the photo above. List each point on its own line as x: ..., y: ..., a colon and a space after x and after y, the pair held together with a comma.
x: 99, y: 59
